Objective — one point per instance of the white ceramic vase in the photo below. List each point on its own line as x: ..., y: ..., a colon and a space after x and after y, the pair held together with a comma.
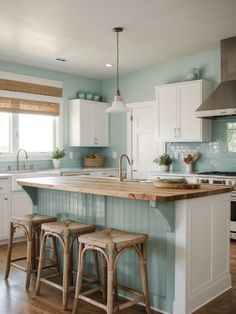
x: 189, y: 168
x: 56, y: 163
x: 164, y: 168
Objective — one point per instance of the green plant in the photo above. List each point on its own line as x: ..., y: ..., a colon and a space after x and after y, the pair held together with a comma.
x: 164, y: 160
x: 58, y: 153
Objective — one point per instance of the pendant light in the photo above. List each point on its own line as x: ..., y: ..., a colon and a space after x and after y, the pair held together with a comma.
x: 117, y: 106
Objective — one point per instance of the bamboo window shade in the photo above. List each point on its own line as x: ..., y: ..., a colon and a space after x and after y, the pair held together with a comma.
x: 21, y: 105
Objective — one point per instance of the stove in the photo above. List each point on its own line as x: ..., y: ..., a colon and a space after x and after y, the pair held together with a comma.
x: 219, y: 173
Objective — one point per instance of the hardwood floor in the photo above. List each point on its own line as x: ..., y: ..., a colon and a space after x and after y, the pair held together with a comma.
x: 14, y: 299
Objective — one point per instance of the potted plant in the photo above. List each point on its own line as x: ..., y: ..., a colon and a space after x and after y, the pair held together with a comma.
x: 57, y: 155
x: 164, y: 162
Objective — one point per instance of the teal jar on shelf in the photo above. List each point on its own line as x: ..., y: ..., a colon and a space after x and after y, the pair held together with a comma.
x: 89, y: 95
x: 81, y: 95
x: 97, y: 97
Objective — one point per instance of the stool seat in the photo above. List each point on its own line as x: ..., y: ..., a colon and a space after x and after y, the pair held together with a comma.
x: 34, y: 219
x: 67, y: 227
x: 112, y: 238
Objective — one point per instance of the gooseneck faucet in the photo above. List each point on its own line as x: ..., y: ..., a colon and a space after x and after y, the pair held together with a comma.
x: 121, y: 177
x: 17, y: 157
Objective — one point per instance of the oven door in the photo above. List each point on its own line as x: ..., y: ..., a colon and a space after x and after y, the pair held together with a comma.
x: 233, y: 217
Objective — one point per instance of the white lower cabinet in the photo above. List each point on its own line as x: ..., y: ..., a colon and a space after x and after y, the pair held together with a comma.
x: 12, y: 203
x: 21, y: 204
x: 4, y: 216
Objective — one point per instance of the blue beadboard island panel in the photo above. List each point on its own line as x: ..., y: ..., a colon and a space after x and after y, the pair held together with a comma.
x: 155, y: 219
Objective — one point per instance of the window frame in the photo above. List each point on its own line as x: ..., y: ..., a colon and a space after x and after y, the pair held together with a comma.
x: 14, y: 140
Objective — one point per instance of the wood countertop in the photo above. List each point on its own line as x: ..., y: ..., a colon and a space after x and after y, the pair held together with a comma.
x: 126, y: 189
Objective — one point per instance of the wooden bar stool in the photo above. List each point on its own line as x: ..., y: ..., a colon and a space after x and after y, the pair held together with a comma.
x: 112, y: 244
x: 67, y: 232
x: 31, y: 225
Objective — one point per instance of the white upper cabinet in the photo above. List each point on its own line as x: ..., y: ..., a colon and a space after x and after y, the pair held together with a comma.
x: 88, y: 123
x: 176, y: 112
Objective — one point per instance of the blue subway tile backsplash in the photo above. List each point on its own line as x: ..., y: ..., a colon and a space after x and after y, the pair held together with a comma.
x: 220, y: 154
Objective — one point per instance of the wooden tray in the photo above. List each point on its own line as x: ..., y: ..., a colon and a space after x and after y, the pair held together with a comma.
x: 177, y: 185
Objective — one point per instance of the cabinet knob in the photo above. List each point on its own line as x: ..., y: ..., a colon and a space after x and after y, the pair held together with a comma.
x: 5, y: 198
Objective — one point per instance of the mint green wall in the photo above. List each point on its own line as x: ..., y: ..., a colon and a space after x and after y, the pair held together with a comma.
x: 71, y: 85
x: 139, y: 86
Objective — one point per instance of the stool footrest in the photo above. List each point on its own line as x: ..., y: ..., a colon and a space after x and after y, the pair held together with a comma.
x: 91, y: 301
x: 18, y: 266
x: 132, y: 291
x: 19, y: 259
x: 55, y: 285
x: 130, y: 303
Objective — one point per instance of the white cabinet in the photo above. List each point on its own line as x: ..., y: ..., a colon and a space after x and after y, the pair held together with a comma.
x: 21, y: 204
x: 88, y: 123
x: 4, y: 216
x: 4, y: 208
x: 177, y: 104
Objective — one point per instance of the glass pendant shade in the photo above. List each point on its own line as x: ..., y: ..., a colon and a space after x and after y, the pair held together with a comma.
x: 117, y: 106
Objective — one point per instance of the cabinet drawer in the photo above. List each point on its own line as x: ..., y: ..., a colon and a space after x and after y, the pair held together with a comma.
x: 3, y: 186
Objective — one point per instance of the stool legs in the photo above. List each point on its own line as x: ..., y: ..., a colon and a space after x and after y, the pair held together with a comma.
x: 104, y: 267
x: 28, y: 258
x: 41, y: 260
x: 79, y: 278
x: 66, y: 272
x: 9, y: 251
x: 110, y: 278
x: 144, y: 280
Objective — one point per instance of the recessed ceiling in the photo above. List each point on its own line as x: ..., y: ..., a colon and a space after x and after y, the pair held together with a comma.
x: 80, y: 31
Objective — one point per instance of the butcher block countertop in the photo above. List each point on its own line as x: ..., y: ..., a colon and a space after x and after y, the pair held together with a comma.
x: 126, y: 189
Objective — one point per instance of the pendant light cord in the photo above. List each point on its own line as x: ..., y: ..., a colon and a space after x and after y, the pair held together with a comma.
x: 117, y: 62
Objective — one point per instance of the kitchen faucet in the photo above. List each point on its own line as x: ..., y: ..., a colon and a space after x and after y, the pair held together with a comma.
x: 17, y: 157
x: 121, y: 177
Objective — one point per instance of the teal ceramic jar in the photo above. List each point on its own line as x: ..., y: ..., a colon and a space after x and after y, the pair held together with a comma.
x: 97, y: 97
x: 81, y: 95
x: 89, y: 95
x: 193, y: 74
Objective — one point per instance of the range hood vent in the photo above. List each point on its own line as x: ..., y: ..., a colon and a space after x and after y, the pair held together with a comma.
x: 222, y: 102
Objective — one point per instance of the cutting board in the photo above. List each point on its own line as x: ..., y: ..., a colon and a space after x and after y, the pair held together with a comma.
x: 177, y: 185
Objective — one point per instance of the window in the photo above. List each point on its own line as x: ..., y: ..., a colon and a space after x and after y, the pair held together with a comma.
x: 35, y: 133
x: 4, y: 132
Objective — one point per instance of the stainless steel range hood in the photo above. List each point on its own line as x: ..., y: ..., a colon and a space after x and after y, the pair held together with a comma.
x: 222, y: 102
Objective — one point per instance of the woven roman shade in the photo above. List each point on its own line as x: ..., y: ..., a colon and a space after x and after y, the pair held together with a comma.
x: 29, y: 106
x: 25, y: 94
x: 25, y: 87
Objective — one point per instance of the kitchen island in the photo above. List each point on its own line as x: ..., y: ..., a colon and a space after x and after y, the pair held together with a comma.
x: 188, y: 247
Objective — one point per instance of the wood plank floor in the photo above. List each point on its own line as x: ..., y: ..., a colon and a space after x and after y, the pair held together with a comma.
x: 14, y: 299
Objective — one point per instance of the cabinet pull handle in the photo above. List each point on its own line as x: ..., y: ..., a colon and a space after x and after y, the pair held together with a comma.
x: 179, y: 132
x: 174, y: 132
x: 1, y: 188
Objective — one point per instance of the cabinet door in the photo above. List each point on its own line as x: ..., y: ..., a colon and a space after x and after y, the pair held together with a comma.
x: 21, y: 205
x: 189, y: 99
x: 4, y: 216
x: 167, y: 112
x: 86, y: 124
x: 100, y: 122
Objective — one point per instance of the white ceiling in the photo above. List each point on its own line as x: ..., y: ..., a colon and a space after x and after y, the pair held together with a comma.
x: 37, y: 32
